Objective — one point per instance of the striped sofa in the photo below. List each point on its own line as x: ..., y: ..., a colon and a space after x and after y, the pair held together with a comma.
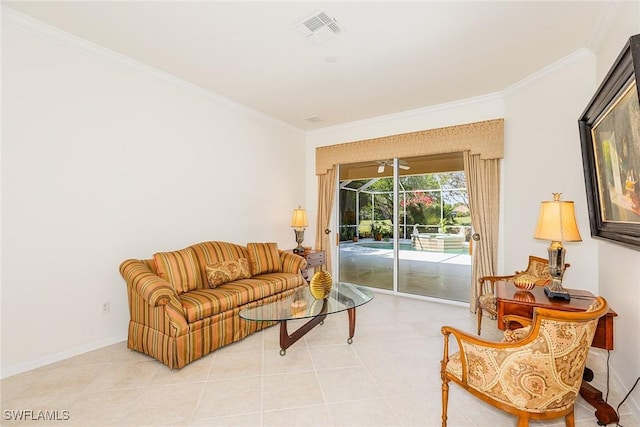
x: 185, y: 304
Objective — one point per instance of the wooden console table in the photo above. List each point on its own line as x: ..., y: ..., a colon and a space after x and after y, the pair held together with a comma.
x: 512, y: 300
x: 314, y: 259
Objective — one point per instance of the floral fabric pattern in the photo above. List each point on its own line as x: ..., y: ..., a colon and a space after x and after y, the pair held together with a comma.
x: 223, y: 272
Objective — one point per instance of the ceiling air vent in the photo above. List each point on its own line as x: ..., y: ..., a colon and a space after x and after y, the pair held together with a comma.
x: 318, y: 26
x: 313, y: 119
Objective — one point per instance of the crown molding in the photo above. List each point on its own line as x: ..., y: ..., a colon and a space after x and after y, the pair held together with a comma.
x: 45, y: 31
x: 606, y: 18
x: 578, y: 57
x: 410, y: 113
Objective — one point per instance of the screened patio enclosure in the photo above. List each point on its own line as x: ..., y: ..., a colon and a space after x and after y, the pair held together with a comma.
x: 406, y: 231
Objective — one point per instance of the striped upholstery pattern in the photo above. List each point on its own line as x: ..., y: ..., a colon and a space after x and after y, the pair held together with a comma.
x: 203, y: 303
x: 278, y: 282
x: 172, y: 351
x: 151, y: 287
x: 264, y: 258
x: 291, y: 263
x: 178, y: 328
x: 212, y: 333
x: 180, y: 268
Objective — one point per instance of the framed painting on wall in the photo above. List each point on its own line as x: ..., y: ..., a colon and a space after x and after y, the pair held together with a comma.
x: 610, y: 139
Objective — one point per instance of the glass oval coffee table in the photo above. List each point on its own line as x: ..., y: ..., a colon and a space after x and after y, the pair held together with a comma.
x: 302, y: 305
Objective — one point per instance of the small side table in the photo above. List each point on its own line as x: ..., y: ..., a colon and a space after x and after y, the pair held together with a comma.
x: 314, y: 259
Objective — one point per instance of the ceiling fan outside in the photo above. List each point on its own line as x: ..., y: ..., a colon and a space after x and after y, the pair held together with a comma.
x: 383, y: 163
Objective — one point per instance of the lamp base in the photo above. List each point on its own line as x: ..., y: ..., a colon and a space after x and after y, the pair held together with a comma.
x: 561, y: 294
x: 299, y: 239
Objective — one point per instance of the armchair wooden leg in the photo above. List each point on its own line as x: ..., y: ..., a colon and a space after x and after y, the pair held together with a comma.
x: 523, y: 421
x: 479, y: 311
x: 570, y: 419
x: 445, y: 401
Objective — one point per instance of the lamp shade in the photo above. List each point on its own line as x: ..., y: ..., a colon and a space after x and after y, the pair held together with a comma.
x: 557, y: 221
x: 299, y: 219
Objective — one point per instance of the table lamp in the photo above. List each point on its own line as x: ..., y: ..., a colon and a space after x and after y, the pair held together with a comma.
x: 557, y: 223
x: 299, y: 223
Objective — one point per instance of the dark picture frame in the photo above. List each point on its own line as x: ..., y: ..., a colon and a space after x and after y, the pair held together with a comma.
x: 610, y: 141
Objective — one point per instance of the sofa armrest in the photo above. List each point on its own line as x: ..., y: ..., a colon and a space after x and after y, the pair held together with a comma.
x: 153, y: 289
x: 164, y: 310
x: 292, y: 263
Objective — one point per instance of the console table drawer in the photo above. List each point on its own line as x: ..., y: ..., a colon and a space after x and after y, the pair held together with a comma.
x: 315, y: 259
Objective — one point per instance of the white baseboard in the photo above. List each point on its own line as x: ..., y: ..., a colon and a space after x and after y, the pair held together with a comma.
x: 24, y: 367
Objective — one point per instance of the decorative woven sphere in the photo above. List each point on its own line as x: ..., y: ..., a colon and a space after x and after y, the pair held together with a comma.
x: 320, y: 285
x: 524, y: 284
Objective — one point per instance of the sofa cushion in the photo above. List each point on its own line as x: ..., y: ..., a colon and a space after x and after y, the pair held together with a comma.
x: 180, y: 268
x: 279, y: 282
x: 223, y: 272
x: 216, y: 251
x: 264, y: 258
x: 201, y: 303
x: 264, y: 285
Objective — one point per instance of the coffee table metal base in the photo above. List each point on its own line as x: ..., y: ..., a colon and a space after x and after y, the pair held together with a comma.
x: 287, y: 340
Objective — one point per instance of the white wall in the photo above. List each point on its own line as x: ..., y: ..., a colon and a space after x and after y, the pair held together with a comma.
x: 543, y: 156
x: 619, y: 267
x: 104, y: 160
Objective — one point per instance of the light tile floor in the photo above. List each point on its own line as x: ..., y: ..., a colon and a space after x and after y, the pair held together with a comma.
x: 389, y: 376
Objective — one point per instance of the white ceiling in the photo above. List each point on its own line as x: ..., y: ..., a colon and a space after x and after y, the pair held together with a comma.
x: 390, y: 57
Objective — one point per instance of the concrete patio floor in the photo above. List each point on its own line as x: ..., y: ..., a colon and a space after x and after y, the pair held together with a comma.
x: 442, y: 275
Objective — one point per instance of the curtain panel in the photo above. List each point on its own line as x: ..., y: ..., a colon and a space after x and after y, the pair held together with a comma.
x: 483, y: 188
x: 326, y: 193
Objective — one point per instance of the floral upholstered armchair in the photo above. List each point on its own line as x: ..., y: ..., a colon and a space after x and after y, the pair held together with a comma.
x: 537, y: 270
x: 537, y: 376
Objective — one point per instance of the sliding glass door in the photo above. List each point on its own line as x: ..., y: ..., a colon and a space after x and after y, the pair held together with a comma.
x: 435, y: 226
x: 366, y: 230
x: 405, y: 226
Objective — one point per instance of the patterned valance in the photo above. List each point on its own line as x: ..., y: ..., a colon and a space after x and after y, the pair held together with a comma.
x: 484, y: 138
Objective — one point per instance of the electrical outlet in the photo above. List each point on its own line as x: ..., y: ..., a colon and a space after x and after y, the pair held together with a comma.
x: 106, y: 306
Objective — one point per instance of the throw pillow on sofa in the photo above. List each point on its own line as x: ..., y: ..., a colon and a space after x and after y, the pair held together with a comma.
x: 264, y: 258
x: 180, y: 268
x: 219, y: 273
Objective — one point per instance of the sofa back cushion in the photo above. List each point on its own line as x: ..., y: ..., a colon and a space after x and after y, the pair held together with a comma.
x: 214, y: 252
x: 264, y: 258
x: 223, y: 272
x: 180, y: 268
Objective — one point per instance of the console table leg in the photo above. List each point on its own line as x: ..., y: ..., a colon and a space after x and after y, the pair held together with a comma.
x: 604, y: 412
